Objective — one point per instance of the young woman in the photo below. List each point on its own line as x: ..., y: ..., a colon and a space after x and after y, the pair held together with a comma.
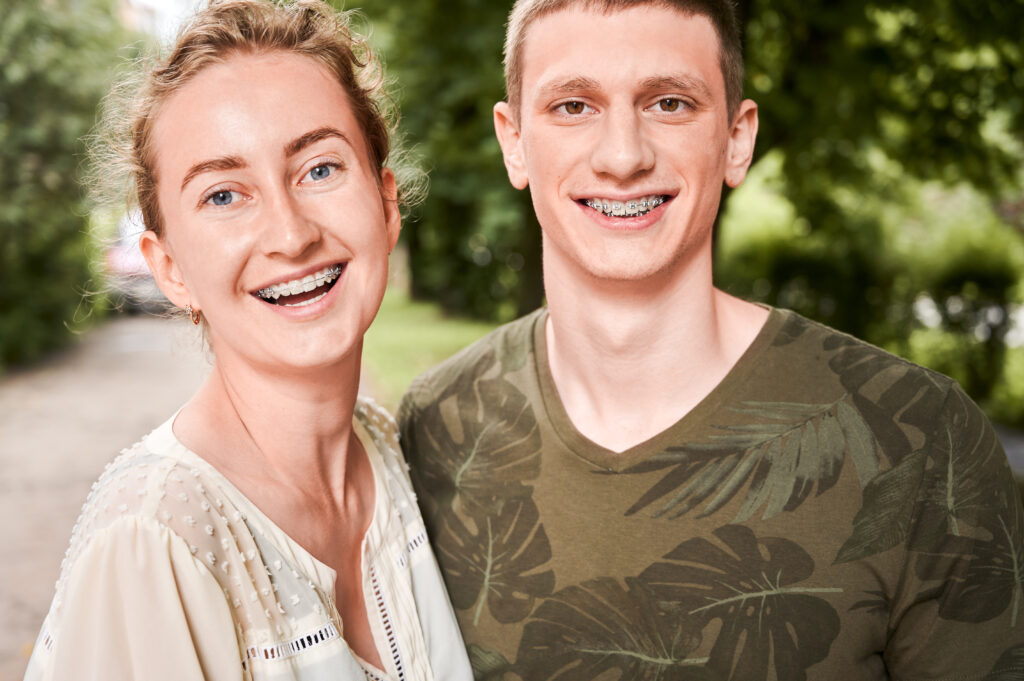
x: 267, y: 530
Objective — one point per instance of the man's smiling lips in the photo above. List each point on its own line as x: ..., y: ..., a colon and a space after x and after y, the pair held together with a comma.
x: 629, y: 208
x: 302, y: 291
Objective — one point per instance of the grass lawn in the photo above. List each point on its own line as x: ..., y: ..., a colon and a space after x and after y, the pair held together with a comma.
x: 407, y: 338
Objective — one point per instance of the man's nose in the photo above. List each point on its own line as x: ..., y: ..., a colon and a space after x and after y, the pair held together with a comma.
x: 622, y: 149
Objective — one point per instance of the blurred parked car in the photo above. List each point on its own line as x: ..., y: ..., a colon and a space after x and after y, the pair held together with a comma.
x: 131, y: 282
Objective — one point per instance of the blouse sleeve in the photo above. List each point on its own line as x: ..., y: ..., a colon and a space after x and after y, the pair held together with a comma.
x: 137, y: 605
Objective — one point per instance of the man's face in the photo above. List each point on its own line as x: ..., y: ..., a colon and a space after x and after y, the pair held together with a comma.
x: 624, y: 139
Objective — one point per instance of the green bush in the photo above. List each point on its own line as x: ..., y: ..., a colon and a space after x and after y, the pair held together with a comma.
x: 54, y: 68
x: 1006, y: 403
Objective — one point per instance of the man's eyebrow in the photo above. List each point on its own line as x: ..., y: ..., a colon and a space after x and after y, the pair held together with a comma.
x: 222, y: 163
x: 570, y: 85
x: 312, y: 137
x: 680, y: 83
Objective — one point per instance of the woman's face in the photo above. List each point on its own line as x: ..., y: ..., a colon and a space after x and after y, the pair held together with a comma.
x: 266, y: 189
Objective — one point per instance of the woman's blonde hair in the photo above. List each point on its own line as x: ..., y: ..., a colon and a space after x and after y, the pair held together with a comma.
x: 122, y: 151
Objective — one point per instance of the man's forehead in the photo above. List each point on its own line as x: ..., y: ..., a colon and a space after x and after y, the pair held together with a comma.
x: 573, y: 46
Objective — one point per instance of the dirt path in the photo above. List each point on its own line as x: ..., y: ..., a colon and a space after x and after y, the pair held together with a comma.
x: 59, y: 424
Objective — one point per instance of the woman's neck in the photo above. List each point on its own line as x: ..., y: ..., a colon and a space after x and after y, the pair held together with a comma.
x: 291, y: 429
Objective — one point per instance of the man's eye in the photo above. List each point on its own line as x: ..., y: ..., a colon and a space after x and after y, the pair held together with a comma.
x: 669, y: 105
x: 574, y: 108
x: 223, y: 197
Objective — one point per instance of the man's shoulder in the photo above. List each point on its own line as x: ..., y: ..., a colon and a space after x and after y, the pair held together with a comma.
x: 804, y: 345
x: 508, y: 348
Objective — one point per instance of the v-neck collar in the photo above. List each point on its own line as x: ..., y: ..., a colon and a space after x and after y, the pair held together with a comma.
x: 680, y: 431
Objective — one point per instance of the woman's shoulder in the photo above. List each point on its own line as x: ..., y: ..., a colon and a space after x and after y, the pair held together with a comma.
x: 151, y: 487
x: 377, y: 420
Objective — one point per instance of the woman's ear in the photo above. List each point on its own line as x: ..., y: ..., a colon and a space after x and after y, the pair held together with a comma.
x: 164, y: 268
x: 392, y: 214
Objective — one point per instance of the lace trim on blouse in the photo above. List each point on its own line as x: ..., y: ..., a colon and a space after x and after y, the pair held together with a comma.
x: 293, y: 646
x: 389, y: 629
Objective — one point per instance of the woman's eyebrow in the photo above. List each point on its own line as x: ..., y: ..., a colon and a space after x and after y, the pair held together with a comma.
x: 312, y: 137
x: 222, y: 163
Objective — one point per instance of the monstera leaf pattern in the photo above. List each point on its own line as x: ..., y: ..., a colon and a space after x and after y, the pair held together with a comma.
x: 781, y: 455
x: 756, y: 588
x: 979, y: 578
x: 600, y: 630
x: 728, y: 602
x: 952, y: 490
x: 479, y: 438
x: 497, y: 564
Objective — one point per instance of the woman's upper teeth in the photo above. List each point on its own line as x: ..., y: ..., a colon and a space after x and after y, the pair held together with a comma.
x: 306, y: 283
x: 630, y: 207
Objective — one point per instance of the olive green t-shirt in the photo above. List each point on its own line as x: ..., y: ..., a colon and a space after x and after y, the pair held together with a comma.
x: 828, y: 511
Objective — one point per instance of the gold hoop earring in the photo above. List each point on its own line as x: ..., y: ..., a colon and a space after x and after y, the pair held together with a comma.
x: 193, y: 314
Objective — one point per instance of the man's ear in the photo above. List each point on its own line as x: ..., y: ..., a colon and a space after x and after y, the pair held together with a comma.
x: 740, y: 151
x: 506, y: 127
x: 164, y: 268
x: 392, y: 214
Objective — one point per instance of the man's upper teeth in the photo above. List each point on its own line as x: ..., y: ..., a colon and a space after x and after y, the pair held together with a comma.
x: 639, y: 206
x: 306, y: 283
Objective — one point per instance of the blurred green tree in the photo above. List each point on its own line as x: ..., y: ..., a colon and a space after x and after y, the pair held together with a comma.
x: 55, y: 60
x: 859, y: 97
x: 854, y: 97
x: 474, y: 244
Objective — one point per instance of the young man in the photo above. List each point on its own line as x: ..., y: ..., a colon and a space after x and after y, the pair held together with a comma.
x: 650, y: 479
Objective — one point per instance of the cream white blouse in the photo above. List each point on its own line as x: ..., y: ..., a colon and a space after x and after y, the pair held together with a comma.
x: 173, y: 574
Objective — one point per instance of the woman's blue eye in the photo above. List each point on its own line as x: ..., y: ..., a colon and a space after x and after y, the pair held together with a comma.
x: 223, y: 197
x: 320, y: 172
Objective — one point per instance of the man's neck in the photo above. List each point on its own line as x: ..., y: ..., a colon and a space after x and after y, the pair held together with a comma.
x: 630, y: 359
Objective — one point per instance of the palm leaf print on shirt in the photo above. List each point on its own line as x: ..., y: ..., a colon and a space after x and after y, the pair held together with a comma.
x: 479, y: 440
x: 600, y: 630
x: 773, y: 624
x: 1009, y: 666
x: 783, y: 453
x: 980, y: 578
x: 498, y: 562
x: 944, y: 488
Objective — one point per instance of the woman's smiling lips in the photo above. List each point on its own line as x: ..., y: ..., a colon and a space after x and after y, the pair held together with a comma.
x: 302, y: 290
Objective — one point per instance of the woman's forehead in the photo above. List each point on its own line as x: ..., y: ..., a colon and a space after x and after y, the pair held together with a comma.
x: 252, y: 103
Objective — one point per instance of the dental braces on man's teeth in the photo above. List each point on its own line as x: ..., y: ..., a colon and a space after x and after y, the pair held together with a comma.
x: 631, y: 208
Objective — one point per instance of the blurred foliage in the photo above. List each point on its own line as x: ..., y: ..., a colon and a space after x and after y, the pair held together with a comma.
x: 474, y: 245
x: 926, y: 89
x: 868, y: 112
x: 855, y: 99
x: 54, y: 63
x: 407, y: 338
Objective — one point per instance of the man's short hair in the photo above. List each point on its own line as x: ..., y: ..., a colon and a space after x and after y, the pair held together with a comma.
x: 721, y: 13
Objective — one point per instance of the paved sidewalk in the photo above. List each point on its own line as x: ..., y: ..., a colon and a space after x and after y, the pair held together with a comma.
x: 60, y: 423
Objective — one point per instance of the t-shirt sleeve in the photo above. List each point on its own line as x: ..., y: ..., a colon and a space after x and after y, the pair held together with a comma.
x: 137, y: 605
x: 961, y: 614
